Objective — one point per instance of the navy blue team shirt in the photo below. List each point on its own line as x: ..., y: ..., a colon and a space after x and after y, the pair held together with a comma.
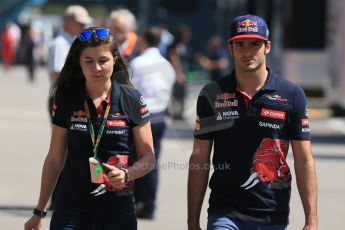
x: 127, y: 110
x: 251, y: 179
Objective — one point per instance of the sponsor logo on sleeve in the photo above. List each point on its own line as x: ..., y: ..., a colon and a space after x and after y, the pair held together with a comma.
x: 276, y: 114
x: 197, y: 125
x: 142, y: 100
x: 305, y: 122
x: 306, y: 112
x: 54, y: 110
x: 305, y: 130
x: 145, y: 115
x: 144, y: 109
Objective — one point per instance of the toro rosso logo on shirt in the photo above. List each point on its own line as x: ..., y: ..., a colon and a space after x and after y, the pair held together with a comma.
x: 276, y: 97
x: 269, y: 165
x: 273, y: 114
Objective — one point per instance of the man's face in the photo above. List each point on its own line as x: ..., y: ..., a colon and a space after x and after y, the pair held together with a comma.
x: 119, y: 31
x: 73, y: 27
x: 249, y: 54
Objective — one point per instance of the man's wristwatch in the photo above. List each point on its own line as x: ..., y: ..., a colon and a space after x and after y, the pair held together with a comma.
x: 39, y: 213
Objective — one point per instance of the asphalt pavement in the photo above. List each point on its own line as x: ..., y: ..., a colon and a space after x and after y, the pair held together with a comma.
x: 25, y: 135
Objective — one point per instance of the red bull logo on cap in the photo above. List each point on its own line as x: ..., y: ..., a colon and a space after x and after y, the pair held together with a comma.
x: 247, y: 26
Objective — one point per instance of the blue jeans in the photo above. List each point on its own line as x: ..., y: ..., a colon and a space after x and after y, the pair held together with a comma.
x: 65, y: 220
x: 220, y: 222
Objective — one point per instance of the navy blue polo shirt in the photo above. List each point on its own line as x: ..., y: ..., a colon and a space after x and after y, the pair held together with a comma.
x: 251, y: 179
x: 127, y: 110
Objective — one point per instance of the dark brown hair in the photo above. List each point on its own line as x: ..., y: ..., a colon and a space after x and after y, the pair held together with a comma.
x: 71, y: 73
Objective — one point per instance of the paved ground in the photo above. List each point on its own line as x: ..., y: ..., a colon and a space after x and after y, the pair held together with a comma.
x: 25, y: 133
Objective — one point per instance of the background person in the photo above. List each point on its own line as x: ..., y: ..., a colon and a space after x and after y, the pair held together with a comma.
x: 154, y: 77
x: 123, y: 25
x: 249, y: 118
x: 8, y: 47
x: 179, y: 54
x: 216, y: 62
x: 75, y: 18
x: 27, y: 52
x: 104, y: 125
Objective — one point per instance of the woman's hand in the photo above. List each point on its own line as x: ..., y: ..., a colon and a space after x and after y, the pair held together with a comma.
x: 116, y: 176
x: 34, y: 223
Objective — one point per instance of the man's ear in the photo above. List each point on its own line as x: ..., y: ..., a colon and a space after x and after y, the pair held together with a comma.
x: 267, y: 47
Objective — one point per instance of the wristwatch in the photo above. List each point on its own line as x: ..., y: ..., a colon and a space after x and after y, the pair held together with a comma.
x: 126, y: 175
x: 39, y: 213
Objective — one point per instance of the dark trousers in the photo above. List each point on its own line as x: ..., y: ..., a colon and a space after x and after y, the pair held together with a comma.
x: 178, y: 99
x: 66, y: 220
x: 145, y: 188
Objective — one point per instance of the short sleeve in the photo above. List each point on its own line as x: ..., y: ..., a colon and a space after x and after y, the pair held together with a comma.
x: 299, y: 128
x: 58, y: 111
x: 209, y: 119
x: 135, y: 106
x: 204, y: 113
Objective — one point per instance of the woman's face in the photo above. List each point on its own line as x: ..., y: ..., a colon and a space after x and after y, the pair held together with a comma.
x: 97, y: 64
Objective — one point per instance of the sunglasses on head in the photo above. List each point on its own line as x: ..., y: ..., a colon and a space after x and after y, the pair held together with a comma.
x: 101, y: 33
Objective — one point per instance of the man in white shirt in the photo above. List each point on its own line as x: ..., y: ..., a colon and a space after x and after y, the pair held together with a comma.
x: 75, y: 19
x: 154, y: 77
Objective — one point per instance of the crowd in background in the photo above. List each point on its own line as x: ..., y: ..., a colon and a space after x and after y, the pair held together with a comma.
x: 27, y: 44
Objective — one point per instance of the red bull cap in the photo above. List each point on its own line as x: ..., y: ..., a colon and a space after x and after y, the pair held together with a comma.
x: 248, y: 26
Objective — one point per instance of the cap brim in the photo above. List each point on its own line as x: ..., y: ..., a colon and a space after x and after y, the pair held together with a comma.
x: 84, y: 21
x: 248, y: 36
